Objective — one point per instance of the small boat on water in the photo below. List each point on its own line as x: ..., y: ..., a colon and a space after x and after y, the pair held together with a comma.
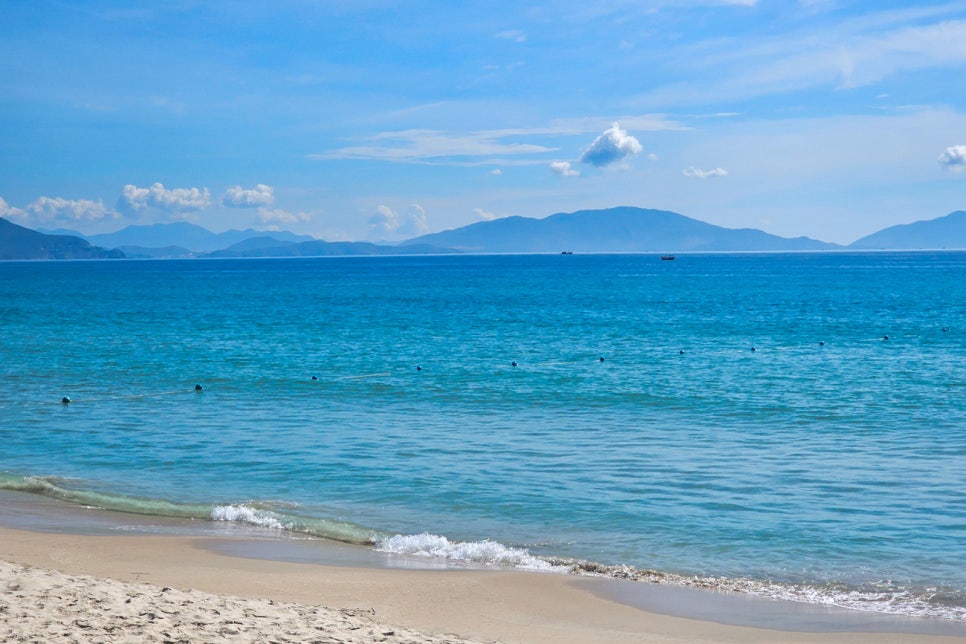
x: 566, y: 252
x: 667, y: 258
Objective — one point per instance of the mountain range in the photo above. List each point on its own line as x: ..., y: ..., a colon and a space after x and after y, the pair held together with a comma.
x: 17, y: 242
x: 615, y: 230
x: 267, y: 247
x: 185, y: 235
x: 943, y: 232
x: 621, y: 229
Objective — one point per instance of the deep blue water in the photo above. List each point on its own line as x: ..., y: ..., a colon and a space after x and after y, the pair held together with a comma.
x: 836, y: 471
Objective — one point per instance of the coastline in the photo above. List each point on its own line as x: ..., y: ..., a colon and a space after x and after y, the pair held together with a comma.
x: 415, y: 600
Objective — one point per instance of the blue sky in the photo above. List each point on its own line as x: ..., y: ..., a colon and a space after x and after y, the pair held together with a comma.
x: 381, y: 119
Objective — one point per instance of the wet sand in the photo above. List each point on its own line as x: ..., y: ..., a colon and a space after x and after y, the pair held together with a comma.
x: 176, y: 581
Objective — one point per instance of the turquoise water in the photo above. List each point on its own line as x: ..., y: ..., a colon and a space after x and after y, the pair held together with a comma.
x: 830, y: 472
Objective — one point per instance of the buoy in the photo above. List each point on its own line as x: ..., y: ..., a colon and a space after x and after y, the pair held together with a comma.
x: 602, y: 358
x: 65, y: 400
x: 945, y: 330
x: 198, y: 387
x: 315, y: 377
x: 419, y: 368
x: 681, y: 352
x: 885, y: 337
x: 753, y: 349
x: 821, y: 344
x: 513, y: 364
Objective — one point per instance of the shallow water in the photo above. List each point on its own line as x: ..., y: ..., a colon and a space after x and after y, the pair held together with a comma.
x: 830, y: 473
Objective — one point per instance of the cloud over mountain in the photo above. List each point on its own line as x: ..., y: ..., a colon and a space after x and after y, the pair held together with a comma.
x: 611, y: 146
x: 484, y: 215
x: 280, y: 216
x: 6, y: 210
x: 47, y: 209
x: 175, y: 200
x: 238, y: 197
x: 387, y: 223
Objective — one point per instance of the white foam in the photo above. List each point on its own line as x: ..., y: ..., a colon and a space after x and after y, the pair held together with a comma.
x: 486, y: 552
x: 882, y: 597
x: 892, y: 601
x: 241, y: 513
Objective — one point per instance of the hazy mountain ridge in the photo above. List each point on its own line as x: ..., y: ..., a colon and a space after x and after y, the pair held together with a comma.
x: 622, y: 229
x: 939, y: 233
x: 164, y: 252
x: 320, y: 248
x: 185, y: 235
x: 17, y: 242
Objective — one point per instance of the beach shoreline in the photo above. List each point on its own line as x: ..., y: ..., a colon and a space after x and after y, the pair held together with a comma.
x: 409, y: 598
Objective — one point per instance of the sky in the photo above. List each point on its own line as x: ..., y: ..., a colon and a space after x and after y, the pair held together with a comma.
x: 382, y: 120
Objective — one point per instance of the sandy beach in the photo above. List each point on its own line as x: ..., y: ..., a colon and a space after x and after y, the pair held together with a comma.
x: 64, y: 587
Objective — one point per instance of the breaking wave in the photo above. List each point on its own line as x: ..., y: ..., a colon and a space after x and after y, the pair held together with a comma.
x: 486, y: 552
x: 883, y: 596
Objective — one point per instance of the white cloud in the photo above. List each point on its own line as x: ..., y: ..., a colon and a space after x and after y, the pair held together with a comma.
x: 383, y: 222
x: 953, y: 158
x: 176, y: 200
x: 238, y: 197
x: 563, y: 169
x: 47, y: 209
x: 6, y: 210
x: 496, y: 172
x: 850, y: 53
x: 586, y: 125
x: 52, y: 210
x: 512, y: 34
x: 697, y: 173
x: 484, y: 215
x: 411, y: 146
x: 386, y: 223
x: 279, y: 216
x: 611, y: 146
x: 414, y: 222
x: 486, y: 146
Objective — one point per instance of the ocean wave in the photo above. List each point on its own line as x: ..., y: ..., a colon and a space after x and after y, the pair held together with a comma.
x: 261, y: 514
x: 60, y: 489
x: 266, y: 517
x: 882, y: 597
x: 247, y: 514
x: 486, y: 552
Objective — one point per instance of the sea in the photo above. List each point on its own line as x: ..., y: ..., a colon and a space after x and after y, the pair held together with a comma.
x: 787, y: 425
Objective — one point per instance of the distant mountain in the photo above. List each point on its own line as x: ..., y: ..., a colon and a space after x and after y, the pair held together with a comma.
x: 253, y: 244
x: 942, y: 232
x: 615, y: 230
x: 185, y: 235
x: 317, y: 248
x: 61, y: 231
x: 165, y: 252
x: 17, y: 242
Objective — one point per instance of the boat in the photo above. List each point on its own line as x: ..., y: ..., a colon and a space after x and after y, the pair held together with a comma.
x: 566, y: 252
x: 667, y: 258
